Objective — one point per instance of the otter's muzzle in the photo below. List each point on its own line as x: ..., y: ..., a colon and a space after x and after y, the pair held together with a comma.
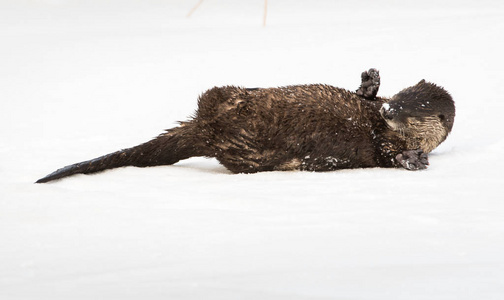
x: 387, y: 112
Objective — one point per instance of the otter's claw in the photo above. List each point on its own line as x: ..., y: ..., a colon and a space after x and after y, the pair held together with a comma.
x: 370, y: 83
x: 413, y: 159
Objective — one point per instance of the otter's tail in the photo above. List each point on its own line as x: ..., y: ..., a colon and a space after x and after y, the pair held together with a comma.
x: 174, y: 145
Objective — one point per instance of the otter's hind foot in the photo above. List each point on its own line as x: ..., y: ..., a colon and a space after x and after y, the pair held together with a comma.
x: 370, y: 83
x: 413, y: 160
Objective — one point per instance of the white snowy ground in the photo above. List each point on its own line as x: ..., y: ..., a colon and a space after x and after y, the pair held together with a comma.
x: 79, y: 79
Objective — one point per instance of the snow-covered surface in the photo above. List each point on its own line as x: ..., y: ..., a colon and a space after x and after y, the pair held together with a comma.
x: 84, y: 78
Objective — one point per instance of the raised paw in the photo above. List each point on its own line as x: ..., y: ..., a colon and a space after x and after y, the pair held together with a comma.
x: 413, y: 159
x: 370, y: 83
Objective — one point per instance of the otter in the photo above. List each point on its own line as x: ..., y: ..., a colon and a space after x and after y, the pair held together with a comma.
x: 312, y: 127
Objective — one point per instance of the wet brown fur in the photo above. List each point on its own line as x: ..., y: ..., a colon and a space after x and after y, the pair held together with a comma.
x: 305, y: 127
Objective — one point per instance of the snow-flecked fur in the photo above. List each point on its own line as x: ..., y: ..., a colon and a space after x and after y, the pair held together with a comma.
x: 305, y: 127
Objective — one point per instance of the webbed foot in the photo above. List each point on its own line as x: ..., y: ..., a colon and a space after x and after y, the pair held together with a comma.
x: 370, y: 83
x: 413, y: 159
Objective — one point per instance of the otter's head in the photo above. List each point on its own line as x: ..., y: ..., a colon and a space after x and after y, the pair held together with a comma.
x: 423, y: 114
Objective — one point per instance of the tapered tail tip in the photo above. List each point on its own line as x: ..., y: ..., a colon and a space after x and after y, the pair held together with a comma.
x: 47, y: 179
x: 43, y: 180
x: 63, y: 172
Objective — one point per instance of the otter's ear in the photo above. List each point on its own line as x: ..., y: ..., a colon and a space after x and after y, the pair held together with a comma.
x: 421, y: 81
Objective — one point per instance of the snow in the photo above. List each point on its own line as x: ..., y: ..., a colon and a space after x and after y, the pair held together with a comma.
x: 84, y: 78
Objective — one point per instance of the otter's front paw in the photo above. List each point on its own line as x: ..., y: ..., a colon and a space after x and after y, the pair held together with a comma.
x: 370, y: 83
x: 413, y: 159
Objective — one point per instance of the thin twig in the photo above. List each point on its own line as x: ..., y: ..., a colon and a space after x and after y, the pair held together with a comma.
x: 265, y: 12
x: 194, y: 8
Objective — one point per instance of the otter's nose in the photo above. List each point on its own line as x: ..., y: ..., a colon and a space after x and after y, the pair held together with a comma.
x: 388, y: 115
x: 386, y: 112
